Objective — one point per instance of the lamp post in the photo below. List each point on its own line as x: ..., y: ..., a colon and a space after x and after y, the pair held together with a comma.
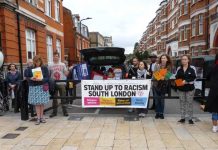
x: 81, y: 43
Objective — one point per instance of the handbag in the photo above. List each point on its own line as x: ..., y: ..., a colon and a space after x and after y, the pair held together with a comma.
x: 45, y: 87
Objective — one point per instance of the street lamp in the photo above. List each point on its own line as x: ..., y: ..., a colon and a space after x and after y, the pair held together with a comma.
x: 81, y: 43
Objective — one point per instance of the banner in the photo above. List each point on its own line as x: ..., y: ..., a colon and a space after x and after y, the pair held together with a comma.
x: 115, y: 93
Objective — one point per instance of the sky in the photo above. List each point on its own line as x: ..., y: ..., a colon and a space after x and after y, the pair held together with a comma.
x: 124, y: 20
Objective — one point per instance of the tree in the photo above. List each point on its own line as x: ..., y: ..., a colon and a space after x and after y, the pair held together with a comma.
x: 141, y: 55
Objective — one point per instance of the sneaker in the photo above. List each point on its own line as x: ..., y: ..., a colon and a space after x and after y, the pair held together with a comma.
x: 215, y: 129
x: 157, y: 116
x: 37, y: 122
x: 181, y: 121
x: 190, y: 121
x: 161, y: 116
x: 66, y: 114
x: 53, y: 115
x: 142, y: 115
x: 42, y: 120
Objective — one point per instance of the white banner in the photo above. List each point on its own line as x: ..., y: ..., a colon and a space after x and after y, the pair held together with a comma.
x: 115, y: 93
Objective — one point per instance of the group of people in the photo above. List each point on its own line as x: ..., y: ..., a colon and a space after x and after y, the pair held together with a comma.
x: 38, y: 94
x: 187, y: 73
x: 39, y: 88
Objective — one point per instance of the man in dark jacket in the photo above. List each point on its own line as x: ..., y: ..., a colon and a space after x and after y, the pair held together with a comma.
x: 133, y: 69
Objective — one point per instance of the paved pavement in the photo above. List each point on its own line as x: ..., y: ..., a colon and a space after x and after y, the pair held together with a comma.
x: 108, y: 133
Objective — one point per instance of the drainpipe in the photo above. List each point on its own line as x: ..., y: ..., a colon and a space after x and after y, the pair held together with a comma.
x: 19, y: 40
x: 207, y: 24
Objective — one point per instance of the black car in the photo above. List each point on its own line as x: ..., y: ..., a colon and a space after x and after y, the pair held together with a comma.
x: 104, y: 57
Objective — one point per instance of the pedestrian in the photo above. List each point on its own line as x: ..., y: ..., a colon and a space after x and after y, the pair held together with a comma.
x: 58, y: 71
x: 29, y: 65
x: 13, y: 78
x: 153, y: 59
x: 38, y: 88
x: 187, y: 75
x: 161, y: 87
x: 133, y: 69
x: 132, y: 74
x: 142, y: 74
x: 212, y: 101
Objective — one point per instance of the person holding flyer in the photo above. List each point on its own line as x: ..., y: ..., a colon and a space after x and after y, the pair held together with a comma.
x: 38, y: 78
x: 161, y: 75
x: 58, y: 71
x: 185, y: 77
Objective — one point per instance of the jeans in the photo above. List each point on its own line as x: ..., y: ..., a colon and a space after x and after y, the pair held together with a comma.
x: 214, y: 116
x: 159, y: 100
x: 61, y: 89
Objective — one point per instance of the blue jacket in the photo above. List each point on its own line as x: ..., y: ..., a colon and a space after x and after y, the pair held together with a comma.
x: 13, y: 78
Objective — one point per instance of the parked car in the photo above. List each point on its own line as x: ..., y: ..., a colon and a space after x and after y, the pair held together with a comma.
x: 103, y: 58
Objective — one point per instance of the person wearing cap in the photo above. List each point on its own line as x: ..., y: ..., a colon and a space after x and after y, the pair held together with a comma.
x: 153, y: 59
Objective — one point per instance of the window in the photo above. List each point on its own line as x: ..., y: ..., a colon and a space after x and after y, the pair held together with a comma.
x: 49, y: 49
x: 180, y: 10
x: 30, y: 43
x: 48, y: 7
x: 58, y: 46
x: 194, y: 1
x: 201, y: 25
x: 185, y: 7
x: 185, y: 33
x: 33, y: 2
x: 57, y: 10
x: 193, y: 27
x: 172, y: 4
x: 173, y: 23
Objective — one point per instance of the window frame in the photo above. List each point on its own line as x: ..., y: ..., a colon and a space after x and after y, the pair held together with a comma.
x: 49, y: 45
x: 201, y: 24
x: 193, y: 24
x: 58, y: 47
x: 48, y: 6
x: 57, y: 11
x: 30, y: 37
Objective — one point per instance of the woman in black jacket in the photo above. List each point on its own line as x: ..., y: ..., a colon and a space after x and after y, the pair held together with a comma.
x: 212, y: 102
x: 187, y: 74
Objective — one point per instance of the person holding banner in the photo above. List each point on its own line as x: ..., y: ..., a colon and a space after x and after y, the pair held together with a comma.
x: 38, y: 78
x: 185, y: 77
x: 161, y: 75
x: 133, y: 69
x: 142, y: 74
x: 58, y: 71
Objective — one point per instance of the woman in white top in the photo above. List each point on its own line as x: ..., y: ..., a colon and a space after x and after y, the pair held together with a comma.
x: 141, y: 74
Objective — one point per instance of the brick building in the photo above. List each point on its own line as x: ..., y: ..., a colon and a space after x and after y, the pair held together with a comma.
x: 73, y: 38
x: 96, y: 39
x: 183, y: 27
x: 30, y: 27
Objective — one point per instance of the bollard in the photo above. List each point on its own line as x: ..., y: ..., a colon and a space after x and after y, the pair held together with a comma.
x: 24, y: 100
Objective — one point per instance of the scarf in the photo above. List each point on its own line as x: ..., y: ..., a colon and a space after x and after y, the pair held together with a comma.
x: 140, y: 73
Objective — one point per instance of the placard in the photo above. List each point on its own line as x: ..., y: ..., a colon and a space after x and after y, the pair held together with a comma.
x: 115, y: 93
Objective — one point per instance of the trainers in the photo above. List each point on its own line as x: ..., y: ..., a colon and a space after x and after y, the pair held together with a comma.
x: 66, y: 114
x: 181, y: 121
x: 190, y: 121
x: 142, y: 115
x: 215, y: 129
x: 161, y: 116
x: 53, y: 115
x: 157, y: 116
x: 42, y: 120
x: 37, y: 122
